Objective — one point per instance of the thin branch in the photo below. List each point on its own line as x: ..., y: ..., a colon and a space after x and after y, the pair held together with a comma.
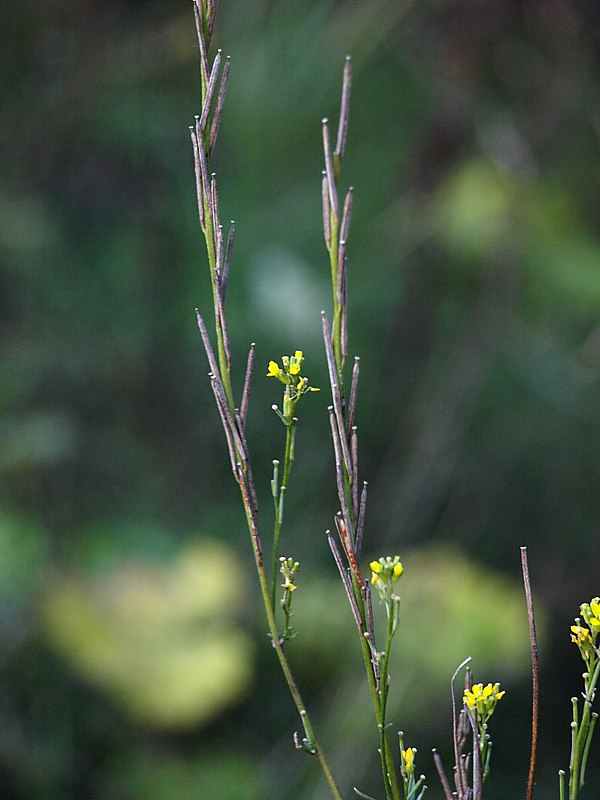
x: 214, y: 210
x: 247, y: 383
x: 346, y: 582
x: 212, y: 13
x: 534, y: 672
x: 437, y: 760
x: 353, y: 393
x: 342, y: 135
x: 326, y: 210
x: 203, y: 164
x: 212, y: 361
x: 366, y: 593
x: 333, y: 199
x: 212, y: 82
x: 214, y: 128
x: 477, y: 766
x: 342, y: 296
x: 225, y: 425
x: 354, y: 450
x: 360, y: 524
x: 227, y: 262
x: 201, y: 43
x: 335, y: 393
x: 346, y: 215
x: 199, y: 195
x: 460, y: 784
x: 339, y: 475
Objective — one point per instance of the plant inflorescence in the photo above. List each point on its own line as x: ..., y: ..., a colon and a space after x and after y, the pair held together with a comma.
x: 277, y: 575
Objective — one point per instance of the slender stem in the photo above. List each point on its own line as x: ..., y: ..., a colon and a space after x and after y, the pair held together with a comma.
x: 534, y: 672
x: 384, y: 747
x: 384, y: 691
x: 586, y: 749
x: 288, y: 461
x: 581, y: 742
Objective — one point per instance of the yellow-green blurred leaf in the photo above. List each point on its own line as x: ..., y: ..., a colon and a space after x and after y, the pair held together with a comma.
x: 162, y: 640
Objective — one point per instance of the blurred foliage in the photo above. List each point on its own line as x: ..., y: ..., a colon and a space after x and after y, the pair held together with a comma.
x: 474, y: 264
x: 161, y: 640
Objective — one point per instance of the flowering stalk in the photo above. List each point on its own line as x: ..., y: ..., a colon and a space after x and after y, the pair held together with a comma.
x: 478, y: 705
x: 288, y: 570
x: 351, y: 517
x: 336, y: 224
x: 296, y: 386
x: 203, y: 135
x: 584, y: 633
x: 412, y: 784
x: 481, y: 701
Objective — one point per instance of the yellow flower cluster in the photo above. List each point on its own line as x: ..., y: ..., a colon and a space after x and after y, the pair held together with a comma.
x: 585, y: 635
x: 295, y: 384
x: 483, y: 699
x: 288, y: 569
x: 385, y: 572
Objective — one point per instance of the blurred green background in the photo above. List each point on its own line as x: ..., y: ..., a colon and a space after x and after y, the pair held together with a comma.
x: 133, y: 659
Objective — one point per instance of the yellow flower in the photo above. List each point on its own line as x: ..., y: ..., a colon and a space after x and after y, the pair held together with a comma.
x: 580, y: 635
x: 483, y: 699
x: 274, y: 370
x: 296, y: 362
x: 408, y: 757
x: 296, y: 385
x: 385, y: 572
x: 591, y: 615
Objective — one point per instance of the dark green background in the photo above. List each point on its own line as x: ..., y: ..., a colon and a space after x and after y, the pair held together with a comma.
x: 474, y: 264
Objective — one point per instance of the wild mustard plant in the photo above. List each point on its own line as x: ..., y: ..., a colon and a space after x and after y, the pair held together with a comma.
x: 470, y: 723
x: 233, y: 416
x: 350, y: 518
x: 296, y: 386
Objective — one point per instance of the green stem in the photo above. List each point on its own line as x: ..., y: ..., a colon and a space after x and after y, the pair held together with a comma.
x: 384, y: 750
x: 579, y: 745
x: 279, y: 497
x: 586, y: 748
x: 390, y: 779
x: 384, y: 691
x: 278, y: 647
